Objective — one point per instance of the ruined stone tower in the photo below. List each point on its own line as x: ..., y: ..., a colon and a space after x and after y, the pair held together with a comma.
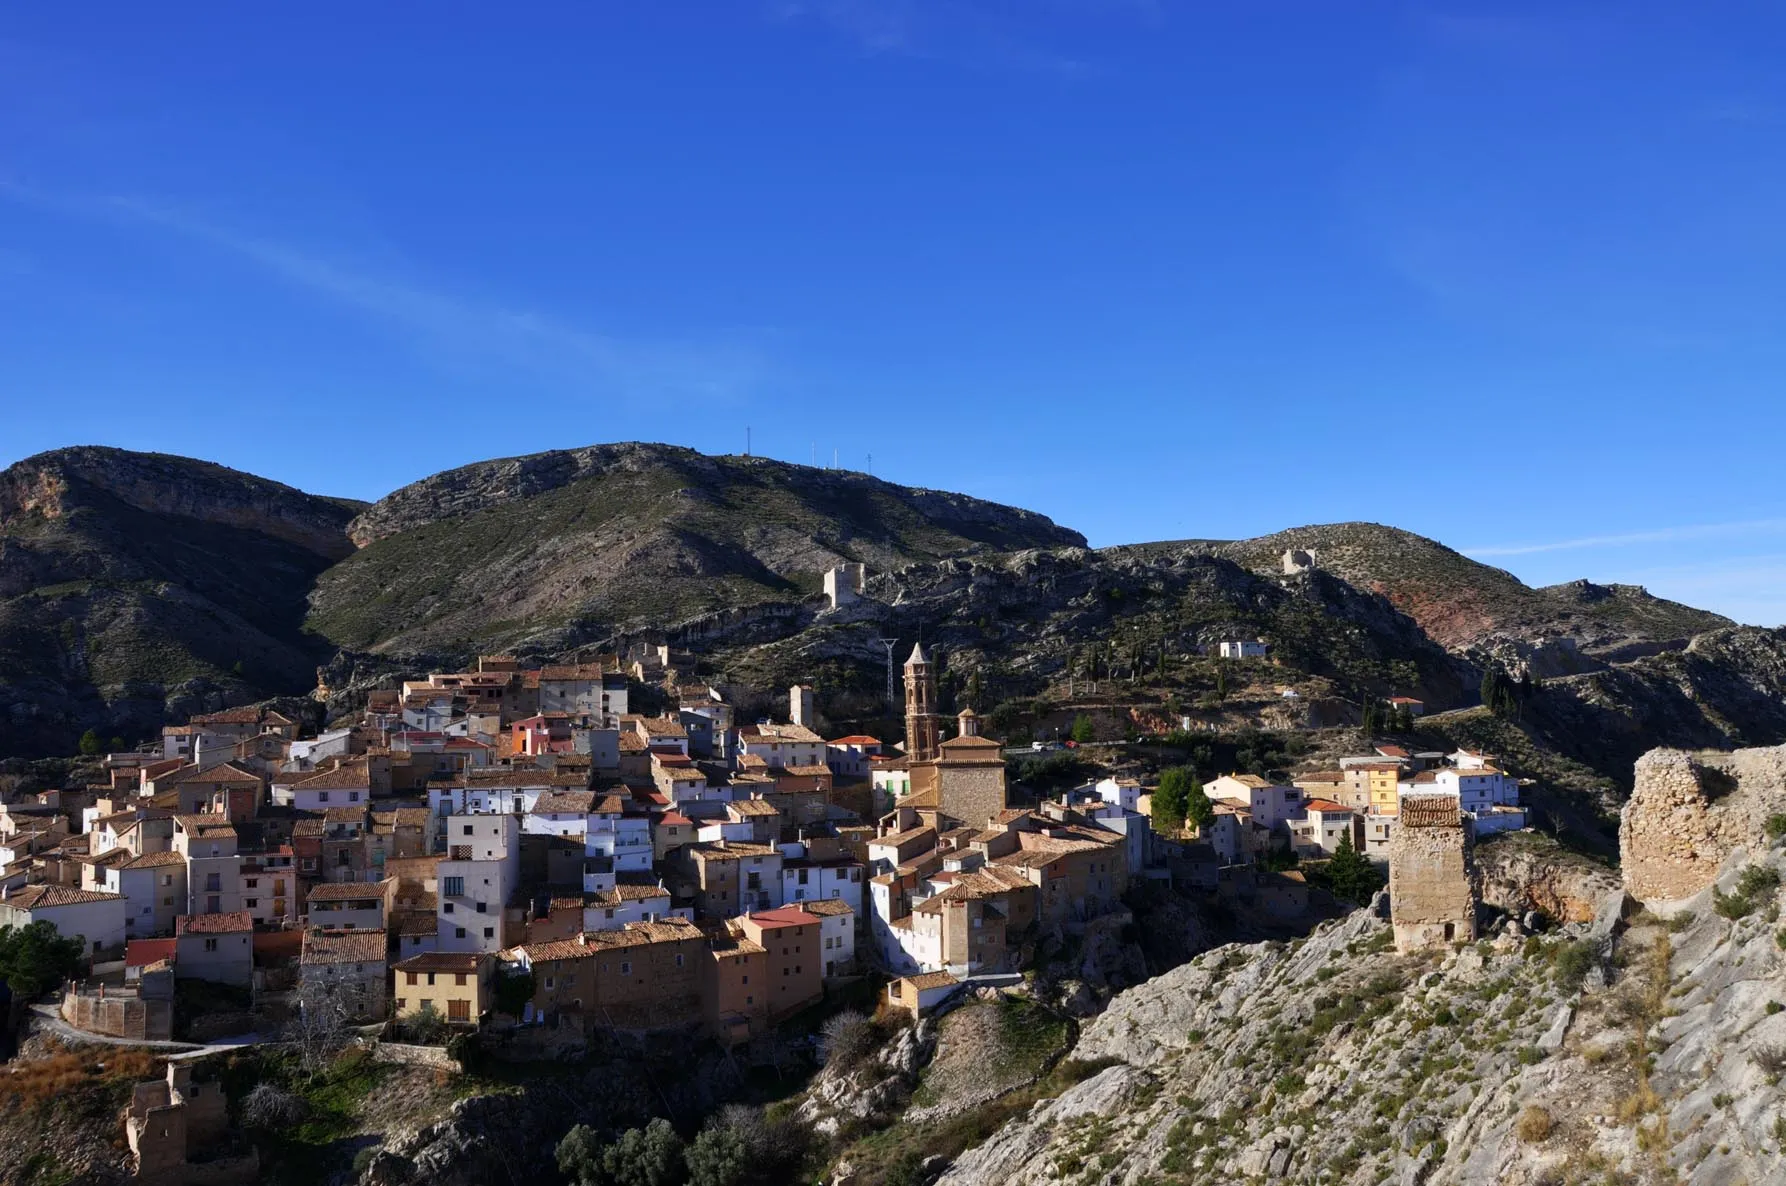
x: 1432, y: 881
x: 923, y: 728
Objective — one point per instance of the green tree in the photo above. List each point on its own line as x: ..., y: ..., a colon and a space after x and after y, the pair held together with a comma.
x: 718, y: 1157
x: 649, y: 1156
x: 1350, y: 875
x: 36, y: 958
x: 91, y: 746
x: 1083, y: 730
x: 1171, y: 801
x: 580, y: 1156
x: 1198, y: 809
x: 1368, y: 723
x: 117, y: 744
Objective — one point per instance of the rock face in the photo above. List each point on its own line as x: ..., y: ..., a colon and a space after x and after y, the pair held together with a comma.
x: 1689, y: 812
x: 1511, y: 1062
x: 135, y: 587
x: 1521, y: 872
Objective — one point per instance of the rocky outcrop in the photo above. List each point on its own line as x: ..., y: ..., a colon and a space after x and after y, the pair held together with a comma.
x: 1689, y: 812
x: 1523, y: 872
x: 1515, y: 1061
x: 52, y: 486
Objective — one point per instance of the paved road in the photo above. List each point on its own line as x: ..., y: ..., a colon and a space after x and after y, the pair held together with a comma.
x: 48, y: 1020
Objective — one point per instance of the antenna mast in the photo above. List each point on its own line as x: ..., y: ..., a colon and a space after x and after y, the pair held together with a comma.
x: 890, y: 643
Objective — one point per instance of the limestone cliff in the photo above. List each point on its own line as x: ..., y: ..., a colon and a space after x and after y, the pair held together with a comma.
x: 1644, y: 1055
x: 136, y: 587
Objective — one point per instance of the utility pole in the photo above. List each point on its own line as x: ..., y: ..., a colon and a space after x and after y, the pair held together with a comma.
x: 871, y: 465
x: 747, y: 440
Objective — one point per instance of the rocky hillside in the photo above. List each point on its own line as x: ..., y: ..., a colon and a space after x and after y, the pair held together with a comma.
x: 1462, y: 603
x: 1591, y: 1054
x: 507, y: 552
x: 139, y: 586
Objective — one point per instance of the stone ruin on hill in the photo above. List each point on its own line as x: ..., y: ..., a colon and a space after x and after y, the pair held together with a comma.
x: 1688, y: 812
x: 1432, y: 883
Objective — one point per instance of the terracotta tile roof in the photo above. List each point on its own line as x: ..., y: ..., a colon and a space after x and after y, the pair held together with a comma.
x: 594, y: 943
x: 632, y: 743
x: 1326, y: 806
x: 417, y: 924
x: 608, y: 804
x: 565, y: 803
x: 786, y: 734
x: 675, y: 818
x: 42, y: 897
x: 205, y: 825
x: 229, y: 716
x: 809, y: 771
x: 827, y: 907
x: 228, y: 922
x: 1327, y: 776
x: 925, y: 980
x: 855, y: 739
x: 440, y: 961
x: 344, y: 891
x: 111, y: 857
x: 1430, y: 811
x: 155, y: 860
x: 346, y: 947
x: 731, y: 850
x: 344, y: 815
x: 752, y: 807
x: 307, y: 828
x: 900, y: 839
x: 352, y: 776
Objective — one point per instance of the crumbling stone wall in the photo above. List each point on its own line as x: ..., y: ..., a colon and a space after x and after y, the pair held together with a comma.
x: 1432, y: 884
x: 1688, y: 812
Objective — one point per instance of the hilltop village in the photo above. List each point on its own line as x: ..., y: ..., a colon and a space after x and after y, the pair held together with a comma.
x: 508, y: 826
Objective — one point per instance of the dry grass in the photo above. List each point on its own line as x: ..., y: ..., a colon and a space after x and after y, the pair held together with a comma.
x: 1535, y: 1125
x: 64, y: 1071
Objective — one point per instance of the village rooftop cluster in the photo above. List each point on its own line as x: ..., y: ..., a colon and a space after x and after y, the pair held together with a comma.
x: 508, y: 826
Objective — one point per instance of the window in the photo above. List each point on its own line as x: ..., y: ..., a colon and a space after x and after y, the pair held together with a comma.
x: 750, y: 1000
x: 467, y: 829
x: 746, y: 979
x: 458, y: 932
x: 167, y: 879
x: 353, y: 796
x: 480, y: 908
x: 454, y: 887
x: 458, y: 1010
x: 446, y: 908
x: 489, y: 932
x: 549, y: 983
x: 253, y: 882
x: 210, y: 945
x: 251, y: 903
x: 213, y: 905
x: 322, y: 796
x: 626, y: 967
x: 411, y: 978
x: 459, y: 979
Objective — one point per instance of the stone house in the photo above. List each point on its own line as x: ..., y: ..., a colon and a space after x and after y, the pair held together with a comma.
x: 348, y: 967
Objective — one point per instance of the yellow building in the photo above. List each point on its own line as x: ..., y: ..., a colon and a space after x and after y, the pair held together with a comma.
x: 456, y: 984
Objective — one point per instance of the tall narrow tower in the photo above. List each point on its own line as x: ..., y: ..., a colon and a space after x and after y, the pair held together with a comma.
x: 923, y: 729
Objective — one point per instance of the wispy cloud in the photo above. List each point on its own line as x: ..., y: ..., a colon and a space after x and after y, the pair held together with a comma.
x: 446, y: 326
x: 937, y: 30
x: 1662, y: 535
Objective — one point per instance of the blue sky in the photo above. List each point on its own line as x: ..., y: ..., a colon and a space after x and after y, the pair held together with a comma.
x: 1509, y: 275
